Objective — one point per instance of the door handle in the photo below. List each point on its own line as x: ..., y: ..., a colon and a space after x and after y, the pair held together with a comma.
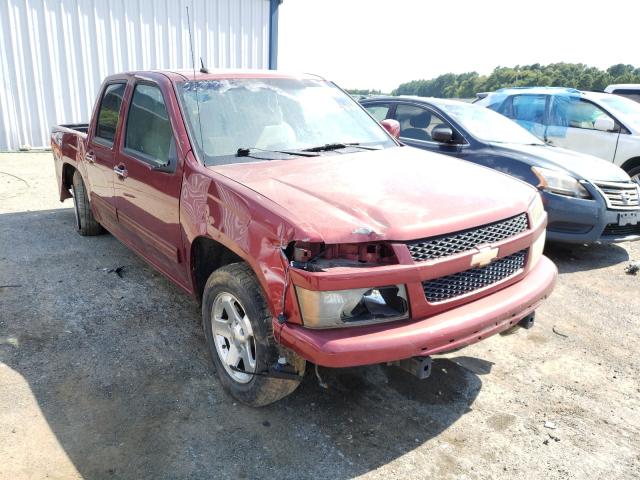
x: 121, y: 171
x: 90, y: 157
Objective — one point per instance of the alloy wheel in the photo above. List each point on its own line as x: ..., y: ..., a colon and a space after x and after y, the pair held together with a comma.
x: 233, y: 337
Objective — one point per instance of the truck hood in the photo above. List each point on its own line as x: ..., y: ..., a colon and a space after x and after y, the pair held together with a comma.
x: 582, y: 166
x: 398, y: 193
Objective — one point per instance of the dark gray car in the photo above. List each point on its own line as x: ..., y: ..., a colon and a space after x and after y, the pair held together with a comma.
x: 587, y: 199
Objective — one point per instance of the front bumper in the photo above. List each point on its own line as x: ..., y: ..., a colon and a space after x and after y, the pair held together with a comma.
x: 576, y: 220
x: 442, y: 332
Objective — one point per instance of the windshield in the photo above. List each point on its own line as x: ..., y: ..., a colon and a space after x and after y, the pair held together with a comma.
x: 489, y: 126
x: 624, y: 107
x: 274, y: 115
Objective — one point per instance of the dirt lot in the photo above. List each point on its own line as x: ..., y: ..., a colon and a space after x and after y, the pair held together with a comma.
x: 108, y: 377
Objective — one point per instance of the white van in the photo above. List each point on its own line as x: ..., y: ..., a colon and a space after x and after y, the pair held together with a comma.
x: 629, y: 90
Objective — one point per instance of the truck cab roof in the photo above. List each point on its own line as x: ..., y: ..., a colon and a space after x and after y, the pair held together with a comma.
x: 215, y: 74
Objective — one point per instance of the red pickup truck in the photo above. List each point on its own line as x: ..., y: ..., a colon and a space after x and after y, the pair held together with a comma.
x: 306, y: 230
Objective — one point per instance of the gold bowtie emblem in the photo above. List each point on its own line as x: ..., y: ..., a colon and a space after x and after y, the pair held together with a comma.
x: 484, y: 256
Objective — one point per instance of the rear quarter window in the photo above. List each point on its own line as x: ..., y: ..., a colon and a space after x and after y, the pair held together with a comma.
x: 109, y: 112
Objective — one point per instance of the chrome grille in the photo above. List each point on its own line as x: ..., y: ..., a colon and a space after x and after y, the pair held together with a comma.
x: 450, y: 244
x: 620, y: 195
x: 451, y: 286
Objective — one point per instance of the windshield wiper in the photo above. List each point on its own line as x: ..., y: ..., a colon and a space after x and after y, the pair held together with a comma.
x: 246, y: 152
x: 337, y: 146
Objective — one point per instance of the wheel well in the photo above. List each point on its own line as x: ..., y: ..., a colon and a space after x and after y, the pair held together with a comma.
x: 631, y: 163
x: 207, y: 255
x: 67, y: 175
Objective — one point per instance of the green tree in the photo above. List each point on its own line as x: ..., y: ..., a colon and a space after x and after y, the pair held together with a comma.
x: 574, y: 75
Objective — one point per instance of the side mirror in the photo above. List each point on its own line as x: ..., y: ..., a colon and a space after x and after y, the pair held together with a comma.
x: 442, y: 134
x: 604, y: 124
x: 391, y: 126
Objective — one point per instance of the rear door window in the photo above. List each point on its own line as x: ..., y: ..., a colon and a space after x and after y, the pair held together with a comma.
x: 528, y: 108
x: 529, y: 112
x: 149, y: 136
x: 109, y: 112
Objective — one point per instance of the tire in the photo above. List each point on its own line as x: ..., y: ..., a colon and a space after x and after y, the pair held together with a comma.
x: 634, y: 173
x: 86, y: 224
x: 248, y: 344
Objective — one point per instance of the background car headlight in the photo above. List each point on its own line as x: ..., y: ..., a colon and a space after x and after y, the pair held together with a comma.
x: 341, y: 308
x: 559, y: 182
x: 536, y: 210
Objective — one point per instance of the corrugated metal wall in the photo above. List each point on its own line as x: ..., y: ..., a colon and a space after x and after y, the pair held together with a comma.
x: 55, y: 53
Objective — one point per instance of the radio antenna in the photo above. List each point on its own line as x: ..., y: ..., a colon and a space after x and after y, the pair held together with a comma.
x: 193, y: 64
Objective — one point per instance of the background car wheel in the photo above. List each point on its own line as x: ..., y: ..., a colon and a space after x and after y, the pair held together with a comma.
x: 86, y: 224
x: 634, y: 173
x: 237, y: 325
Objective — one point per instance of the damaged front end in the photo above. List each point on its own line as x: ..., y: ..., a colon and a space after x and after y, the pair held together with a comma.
x: 346, y: 307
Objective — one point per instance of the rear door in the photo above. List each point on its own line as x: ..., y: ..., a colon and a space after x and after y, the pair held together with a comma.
x: 148, y: 181
x: 99, y: 157
x: 572, y: 126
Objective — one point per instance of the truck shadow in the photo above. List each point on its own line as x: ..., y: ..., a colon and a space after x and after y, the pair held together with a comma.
x: 119, y: 369
x: 578, y: 258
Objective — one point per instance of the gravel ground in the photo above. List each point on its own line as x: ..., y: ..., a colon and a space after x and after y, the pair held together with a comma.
x: 108, y: 377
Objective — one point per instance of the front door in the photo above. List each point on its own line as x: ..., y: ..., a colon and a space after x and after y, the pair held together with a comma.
x: 148, y: 182
x: 99, y: 157
x: 572, y: 126
x: 416, y: 125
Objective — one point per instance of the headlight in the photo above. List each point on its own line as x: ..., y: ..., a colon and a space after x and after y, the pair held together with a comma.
x: 342, y: 308
x: 536, y: 210
x: 559, y: 182
x: 536, y: 249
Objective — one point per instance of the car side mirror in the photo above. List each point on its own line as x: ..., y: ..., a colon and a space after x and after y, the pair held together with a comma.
x: 442, y: 134
x: 604, y: 124
x: 391, y: 126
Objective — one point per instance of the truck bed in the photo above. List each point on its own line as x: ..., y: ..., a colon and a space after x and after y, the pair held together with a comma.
x: 78, y: 127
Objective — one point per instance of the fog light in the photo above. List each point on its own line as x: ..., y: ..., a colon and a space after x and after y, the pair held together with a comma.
x: 341, y: 308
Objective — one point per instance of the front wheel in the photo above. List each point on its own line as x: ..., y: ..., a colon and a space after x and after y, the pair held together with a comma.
x: 237, y: 326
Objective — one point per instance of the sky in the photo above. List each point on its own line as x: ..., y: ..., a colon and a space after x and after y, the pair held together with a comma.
x: 378, y: 44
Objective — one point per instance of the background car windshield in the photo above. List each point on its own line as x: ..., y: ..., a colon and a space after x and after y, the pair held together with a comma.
x: 489, y: 126
x: 273, y: 114
x: 624, y: 107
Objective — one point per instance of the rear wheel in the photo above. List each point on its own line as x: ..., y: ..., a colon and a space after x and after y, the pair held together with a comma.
x: 237, y: 325
x: 86, y: 224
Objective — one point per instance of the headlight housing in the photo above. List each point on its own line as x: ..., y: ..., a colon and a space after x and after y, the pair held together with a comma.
x: 360, y: 306
x: 535, y: 252
x: 559, y: 182
x: 536, y: 213
x: 536, y: 210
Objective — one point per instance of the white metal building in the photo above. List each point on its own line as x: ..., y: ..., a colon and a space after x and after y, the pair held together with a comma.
x: 55, y: 53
